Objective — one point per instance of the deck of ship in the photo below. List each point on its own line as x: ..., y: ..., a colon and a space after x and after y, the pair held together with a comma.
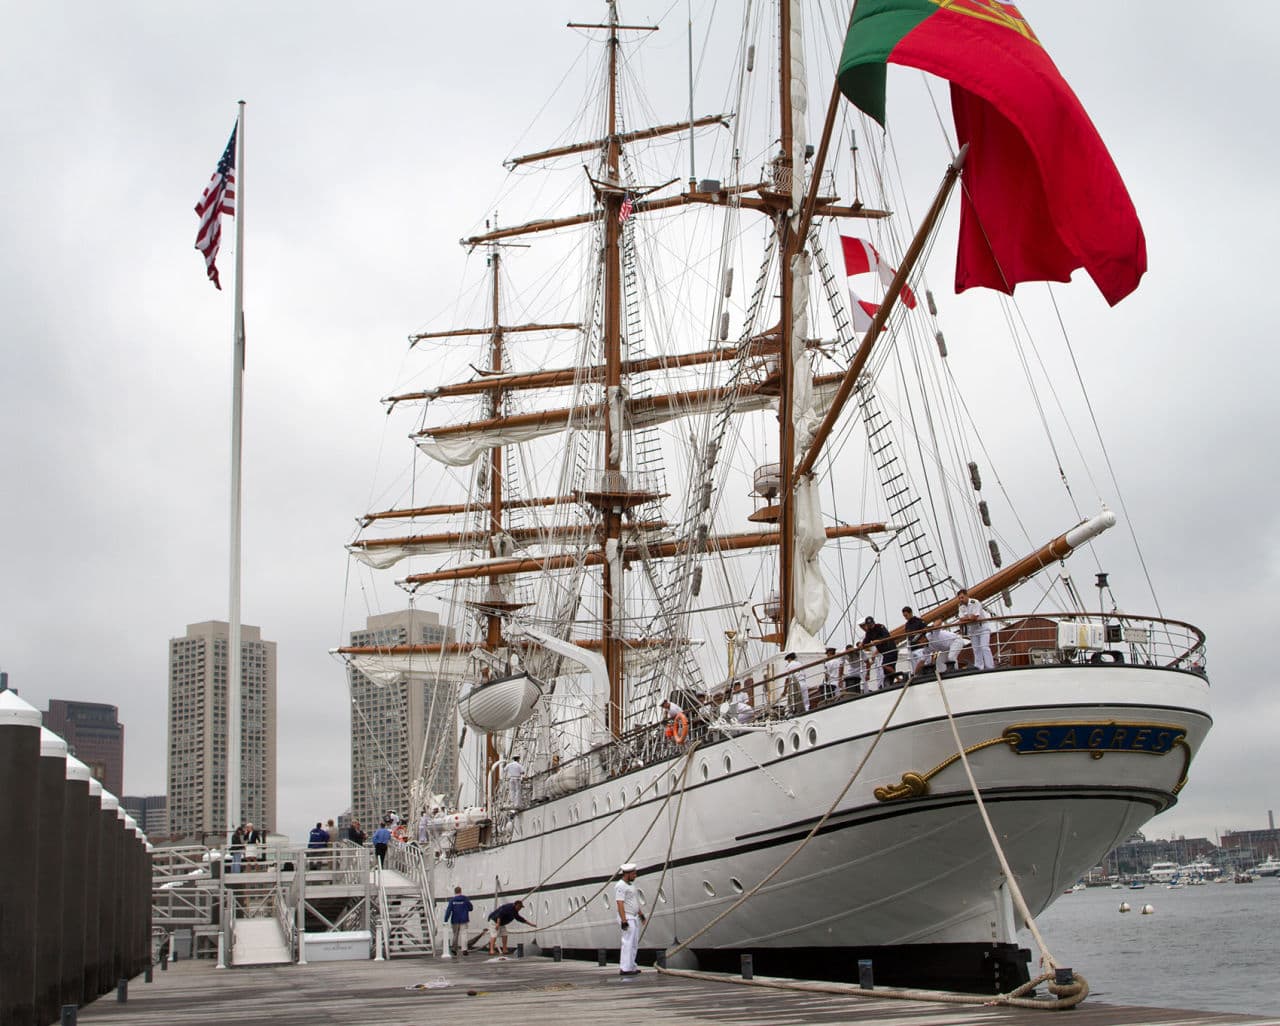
x: 539, y: 990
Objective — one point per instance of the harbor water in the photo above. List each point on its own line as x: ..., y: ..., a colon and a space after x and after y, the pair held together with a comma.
x: 1214, y: 947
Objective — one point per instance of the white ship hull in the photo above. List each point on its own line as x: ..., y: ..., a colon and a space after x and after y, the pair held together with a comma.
x: 881, y: 872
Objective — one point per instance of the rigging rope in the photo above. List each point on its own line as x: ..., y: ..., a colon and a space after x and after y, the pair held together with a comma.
x: 609, y: 821
x: 804, y: 841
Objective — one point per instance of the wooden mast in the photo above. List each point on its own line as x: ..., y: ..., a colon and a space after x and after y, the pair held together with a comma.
x: 611, y: 528
x: 493, y: 625
x: 787, y: 247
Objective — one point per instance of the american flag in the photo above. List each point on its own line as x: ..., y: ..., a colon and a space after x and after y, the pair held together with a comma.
x: 219, y: 198
x: 625, y: 212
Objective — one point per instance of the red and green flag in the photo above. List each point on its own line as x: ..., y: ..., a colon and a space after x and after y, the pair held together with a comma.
x: 1042, y: 195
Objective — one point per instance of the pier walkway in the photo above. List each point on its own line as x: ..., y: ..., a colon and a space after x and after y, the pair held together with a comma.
x: 537, y: 991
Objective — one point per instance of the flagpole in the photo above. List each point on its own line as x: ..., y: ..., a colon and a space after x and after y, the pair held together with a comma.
x: 233, y: 810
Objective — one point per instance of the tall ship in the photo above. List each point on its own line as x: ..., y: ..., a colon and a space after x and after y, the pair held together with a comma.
x: 700, y: 435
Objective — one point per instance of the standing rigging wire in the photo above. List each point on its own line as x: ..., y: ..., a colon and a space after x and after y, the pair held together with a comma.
x: 1146, y: 573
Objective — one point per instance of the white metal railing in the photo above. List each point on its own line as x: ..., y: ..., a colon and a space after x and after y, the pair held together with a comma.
x: 414, y: 862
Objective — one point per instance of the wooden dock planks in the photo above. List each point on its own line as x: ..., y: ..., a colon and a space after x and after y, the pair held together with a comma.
x: 538, y: 991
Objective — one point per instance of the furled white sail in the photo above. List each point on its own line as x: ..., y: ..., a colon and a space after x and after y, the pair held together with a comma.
x: 390, y: 668
x: 812, y: 599
x: 383, y: 556
x: 465, y: 447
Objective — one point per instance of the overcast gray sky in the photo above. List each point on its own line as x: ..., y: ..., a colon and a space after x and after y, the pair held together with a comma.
x: 375, y: 139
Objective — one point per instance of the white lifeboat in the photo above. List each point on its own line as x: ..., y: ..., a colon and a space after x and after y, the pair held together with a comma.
x: 499, y: 704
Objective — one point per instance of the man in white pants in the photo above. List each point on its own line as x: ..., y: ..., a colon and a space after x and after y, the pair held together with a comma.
x: 974, y: 619
x: 630, y: 919
x: 944, y: 645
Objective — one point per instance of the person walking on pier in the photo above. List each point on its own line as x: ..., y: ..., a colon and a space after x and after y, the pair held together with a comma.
x: 381, y: 838
x: 630, y: 918
x: 502, y: 917
x: 457, y: 913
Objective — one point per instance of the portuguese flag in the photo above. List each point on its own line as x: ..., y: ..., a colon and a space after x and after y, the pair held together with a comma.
x: 1041, y: 196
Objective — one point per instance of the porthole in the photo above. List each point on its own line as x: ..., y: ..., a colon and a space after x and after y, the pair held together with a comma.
x: 736, y: 884
x: 812, y: 735
x: 604, y: 900
x: 595, y: 807
x: 795, y: 741
x: 728, y: 764
x: 640, y: 891
x: 706, y: 886
x: 608, y: 804
x: 705, y: 770
x: 781, y: 746
x: 662, y: 896
x: 639, y: 795
x: 553, y: 821
x: 622, y: 798
x: 675, y: 782
x: 546, y: 907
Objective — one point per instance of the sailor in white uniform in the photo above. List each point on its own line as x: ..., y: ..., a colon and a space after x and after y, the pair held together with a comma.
x: 974, y: 619
x: 630, y: 918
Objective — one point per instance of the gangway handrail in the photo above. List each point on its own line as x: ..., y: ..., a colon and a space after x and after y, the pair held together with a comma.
x: 382, y: 939
x: 411, y: 859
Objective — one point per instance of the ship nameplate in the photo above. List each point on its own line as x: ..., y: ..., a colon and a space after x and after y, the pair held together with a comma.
x: 1091, y: 738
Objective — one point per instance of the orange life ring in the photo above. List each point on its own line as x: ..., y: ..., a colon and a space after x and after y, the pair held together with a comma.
x: 678, y: 730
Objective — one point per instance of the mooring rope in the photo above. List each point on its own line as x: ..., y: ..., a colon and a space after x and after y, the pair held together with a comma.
x: 746, y: 896
x: 1046, y: 956
x: 1071, y: 995
x: 1065, y: 995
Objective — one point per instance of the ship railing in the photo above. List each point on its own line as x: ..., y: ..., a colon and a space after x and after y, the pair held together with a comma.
x: 770, y: 694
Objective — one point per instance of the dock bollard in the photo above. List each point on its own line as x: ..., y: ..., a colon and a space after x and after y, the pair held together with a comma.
x: 660, y: 959
x: 865, y: 978
x: 602, y: 957
x: 122, y: 991
x: 147, y: 974
x: 748, y: 969
x: 557, y: 953
x: 69, y: 1015
x: 1064, y: 977
x: 519, y: 951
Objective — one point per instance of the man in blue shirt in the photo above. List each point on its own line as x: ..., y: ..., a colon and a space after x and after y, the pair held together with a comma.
x: 318, y: 838
x: 500, y: 918
x: 381, y: 838
x: 457, y: 913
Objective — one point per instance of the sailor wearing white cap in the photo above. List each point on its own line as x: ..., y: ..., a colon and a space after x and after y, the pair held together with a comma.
x: 630, y: 918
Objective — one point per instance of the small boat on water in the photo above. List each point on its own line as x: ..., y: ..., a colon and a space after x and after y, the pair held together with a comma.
x: 1269, y: 867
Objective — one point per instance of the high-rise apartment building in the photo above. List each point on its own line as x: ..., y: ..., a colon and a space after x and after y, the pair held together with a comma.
x: 151, y: 813
x: 400, y: 729
x: 93, y: 735
x: 198, y: 731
